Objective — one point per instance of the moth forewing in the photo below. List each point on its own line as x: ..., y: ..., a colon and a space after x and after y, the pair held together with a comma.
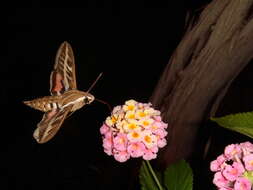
x: 63, y: 76
x: 50, y: 124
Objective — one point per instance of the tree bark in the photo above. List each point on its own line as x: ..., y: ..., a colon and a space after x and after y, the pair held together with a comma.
x: 211, y: 54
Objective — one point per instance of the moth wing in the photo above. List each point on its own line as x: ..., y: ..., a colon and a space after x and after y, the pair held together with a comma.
x: 63, y: 76
x: 50, y: 124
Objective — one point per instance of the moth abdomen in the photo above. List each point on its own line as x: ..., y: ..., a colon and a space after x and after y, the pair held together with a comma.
x: 44, y: 104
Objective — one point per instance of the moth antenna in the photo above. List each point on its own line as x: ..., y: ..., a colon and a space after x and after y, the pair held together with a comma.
x: 104, y: 102
x: 93, y: 84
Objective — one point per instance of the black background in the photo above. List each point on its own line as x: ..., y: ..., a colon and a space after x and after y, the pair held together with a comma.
x: 130, y: 44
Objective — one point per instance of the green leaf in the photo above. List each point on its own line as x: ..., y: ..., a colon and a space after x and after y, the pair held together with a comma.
x: 146, y: 180
x: 241, y: 122
x: 178, y: 176
x: 249, y: 175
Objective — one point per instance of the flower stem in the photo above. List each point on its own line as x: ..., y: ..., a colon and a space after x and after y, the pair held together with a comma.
x: 154, y: 175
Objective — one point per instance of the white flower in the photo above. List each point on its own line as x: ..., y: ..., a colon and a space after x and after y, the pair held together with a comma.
x: 132, y: 125
x: 134, y: 136
x: 146, y: 122
x: 130, y: 105
x: 149, y: 139
x: 130, y: 115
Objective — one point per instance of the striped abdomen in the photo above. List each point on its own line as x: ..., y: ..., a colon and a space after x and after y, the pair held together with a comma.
x: 45, y: 104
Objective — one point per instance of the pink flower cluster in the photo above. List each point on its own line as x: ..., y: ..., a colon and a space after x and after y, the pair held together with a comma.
x: 133, y: 130
x: 234, y: 168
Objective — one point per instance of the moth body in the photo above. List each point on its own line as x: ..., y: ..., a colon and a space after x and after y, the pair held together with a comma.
x: 75, y: 98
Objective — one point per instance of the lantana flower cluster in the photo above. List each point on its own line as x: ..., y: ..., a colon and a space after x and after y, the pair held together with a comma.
x: 133, y: 130
x: 234, y: 168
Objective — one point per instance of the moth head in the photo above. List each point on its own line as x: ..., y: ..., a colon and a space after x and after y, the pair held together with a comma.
x: 88, y: 98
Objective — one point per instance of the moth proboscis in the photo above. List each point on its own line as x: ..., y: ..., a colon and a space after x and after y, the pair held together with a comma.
x: 65, y: 97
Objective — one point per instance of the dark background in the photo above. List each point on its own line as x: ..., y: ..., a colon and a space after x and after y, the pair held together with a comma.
x: 130, y: 44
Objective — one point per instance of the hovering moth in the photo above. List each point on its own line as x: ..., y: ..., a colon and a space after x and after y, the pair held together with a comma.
x: 65, y: 97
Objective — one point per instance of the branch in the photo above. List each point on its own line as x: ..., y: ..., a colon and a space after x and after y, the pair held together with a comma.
x: 209, y: 57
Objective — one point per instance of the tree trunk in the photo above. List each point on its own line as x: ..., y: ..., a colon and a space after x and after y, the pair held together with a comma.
x: 211, y: 54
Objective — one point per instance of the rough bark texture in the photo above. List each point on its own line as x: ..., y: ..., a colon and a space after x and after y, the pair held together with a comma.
x: 211, y: 54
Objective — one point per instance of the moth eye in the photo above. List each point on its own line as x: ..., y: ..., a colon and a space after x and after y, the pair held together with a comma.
x: 86, y: 100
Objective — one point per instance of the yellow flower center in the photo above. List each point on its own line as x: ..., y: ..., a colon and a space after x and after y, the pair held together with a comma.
x: 114, y: 119
x: 251, y: 162
x: 142, y: 114
x: 130, y: 107
x: 135, y: 135
x: 131, y: 116
x: 147, y: 139
x: 145, y: 123
x: 132, y: 126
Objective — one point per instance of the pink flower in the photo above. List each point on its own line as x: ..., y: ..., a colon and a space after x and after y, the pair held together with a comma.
x: 121, y: 156
x: 156, y: 125
x: 220, y: 181
x: 248, y: 161
x: 165, y: 125
x: 149, y: 154
x: 218, y: 164
x: 108, y: 151
x: 107, y: 143
x: 215, y: 166
x: 225, y: 188
x: 158, y: 118
x: 120, y: 142
x: 161, y: 143
x: 234, y: 167
x: 136, y: 149
x: 154, y: 149
x: 233, y: 150
x: 104, y: 129
x: 234, y: 171
x: 221, y: 159
x: 161, y: 133
x: 247, y: 146
x: 242, y: 184
x: 133, y: 130
x: 108, y: 134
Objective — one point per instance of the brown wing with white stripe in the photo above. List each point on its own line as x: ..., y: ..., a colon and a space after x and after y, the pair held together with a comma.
x: 50, y: 124
x: 63, y: 76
